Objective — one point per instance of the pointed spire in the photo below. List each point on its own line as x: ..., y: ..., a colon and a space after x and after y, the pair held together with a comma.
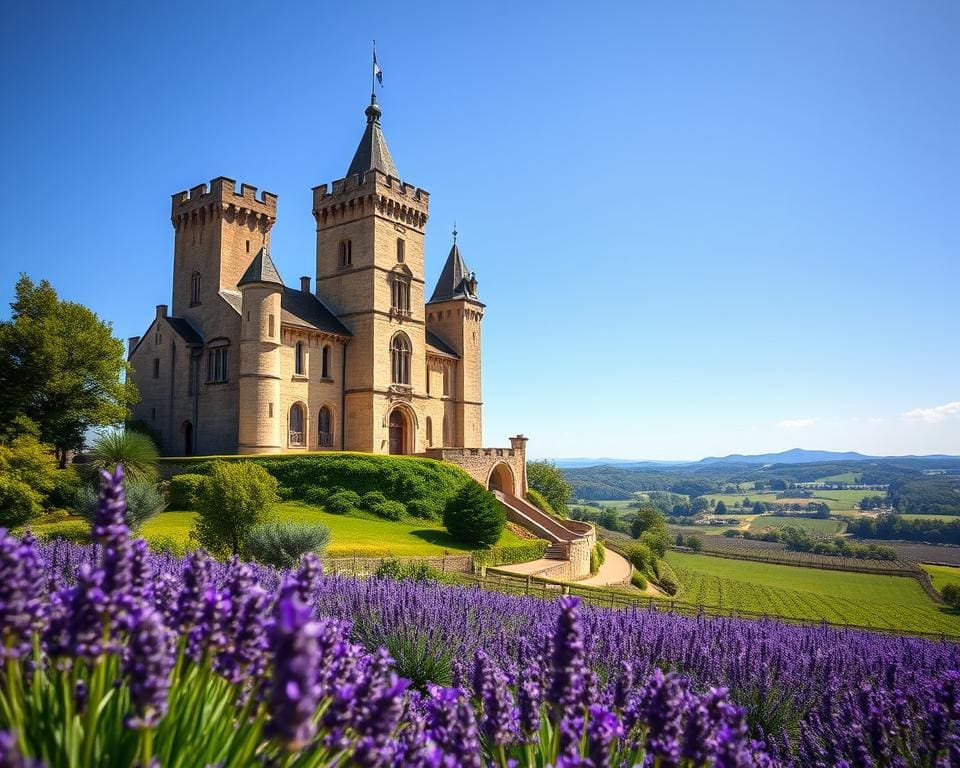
x: 261, y: 270
x: 456, y: 280
x: 372, y: 154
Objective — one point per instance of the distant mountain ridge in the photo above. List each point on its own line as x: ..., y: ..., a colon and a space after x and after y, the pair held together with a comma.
x: 792, y: 456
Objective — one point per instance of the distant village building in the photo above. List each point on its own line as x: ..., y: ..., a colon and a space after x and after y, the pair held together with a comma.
x: 244, y: 363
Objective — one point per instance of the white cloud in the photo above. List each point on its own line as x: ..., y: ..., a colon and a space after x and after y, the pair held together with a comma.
x: 797, y: 423
x: 934, y: 415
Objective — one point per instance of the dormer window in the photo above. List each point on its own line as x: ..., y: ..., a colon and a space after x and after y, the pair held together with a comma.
x: 346, y: 253
x: 194, y: 289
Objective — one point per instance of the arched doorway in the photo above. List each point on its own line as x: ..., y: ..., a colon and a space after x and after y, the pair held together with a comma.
x: 501, y: 479
x: 187, y: 429
x: 398, y: 431
x: 324, y: 428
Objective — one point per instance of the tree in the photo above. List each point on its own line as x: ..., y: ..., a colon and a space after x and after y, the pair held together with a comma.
x: 695, y: 543
x: 61, y: 368
x: 699, y: 505
x: 236, y: 497
x: 27, y: 475
x: 778, y: 485
x: 951, y: 595
x: 609, y: 519
x: 721, y: 508
x: 545, y: 477
x: 647, y: 518
x: 475, y: 516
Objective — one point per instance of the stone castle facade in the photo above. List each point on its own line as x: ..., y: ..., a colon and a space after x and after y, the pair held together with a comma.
x: 363, y: 361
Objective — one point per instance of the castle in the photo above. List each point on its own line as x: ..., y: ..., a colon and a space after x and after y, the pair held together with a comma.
x: 242, y: 363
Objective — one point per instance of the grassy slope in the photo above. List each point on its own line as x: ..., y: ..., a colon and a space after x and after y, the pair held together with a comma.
x: 350, y: 535
x: 836, y: 500
x: 806, y: 593
x: 942, y: 575
x: 813, y: 526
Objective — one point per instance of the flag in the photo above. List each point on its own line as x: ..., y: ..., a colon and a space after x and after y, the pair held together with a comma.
x: 376, y: 70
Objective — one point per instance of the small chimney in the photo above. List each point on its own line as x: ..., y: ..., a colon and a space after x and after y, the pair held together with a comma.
x: 132, y: 344
x: 305, y: 284
x: 161, y: 310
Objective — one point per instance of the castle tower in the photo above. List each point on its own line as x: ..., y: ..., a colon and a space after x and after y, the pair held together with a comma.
x: 370, y: 272
x: 260, y: 415
x: 218, y: 232
x: 454, y: 313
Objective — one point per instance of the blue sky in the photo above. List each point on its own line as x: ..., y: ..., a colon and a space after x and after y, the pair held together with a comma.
x: 700, y: 228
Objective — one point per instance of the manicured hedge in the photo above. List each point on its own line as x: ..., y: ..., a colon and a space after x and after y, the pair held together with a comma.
x: 537, y: 499
x: 183, y: 491
x: 399, y: 478
x: 532, y: 549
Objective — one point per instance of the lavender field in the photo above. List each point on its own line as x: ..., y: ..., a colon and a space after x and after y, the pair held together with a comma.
x: 117, y: 656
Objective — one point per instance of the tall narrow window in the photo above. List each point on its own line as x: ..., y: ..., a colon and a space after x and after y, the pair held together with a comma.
x: 299, y: 361
x: 270, y: 328
x: 400, y: 249
x: 324, y: 428
x: 400, y: 359
x: 429, y: 432
x: 448, y: 381
x: 217, y: 365
x: 346, y: 253
x: 325, y: 362
x: 195, y: 288
x: 296, y: 425
x: 400, y: 295
x: 156, y: 367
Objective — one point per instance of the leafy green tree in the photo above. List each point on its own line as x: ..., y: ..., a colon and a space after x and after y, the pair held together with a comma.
x: 699, y: 505
x: 27, y: 474
x: 609, y: 519
x: 133, y: 449
x: 695, y: 543
x: 658, y: 539
x: 721, y: 508
x: 646, y: 519
x: 61, y: 368
x: 237, y: 496
x: 546, y: 477
x: 475, y: 516
x: 951, y: 595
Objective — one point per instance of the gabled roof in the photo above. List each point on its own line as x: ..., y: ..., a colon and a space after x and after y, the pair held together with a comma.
x: 438, y: 346
x: 184, y: 330
x: 456, y: 280
x: 261, y: 270
x: 372, y: 152
x: 303, y: 308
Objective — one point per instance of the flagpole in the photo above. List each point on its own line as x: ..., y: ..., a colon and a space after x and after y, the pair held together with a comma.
x: 373, y: 75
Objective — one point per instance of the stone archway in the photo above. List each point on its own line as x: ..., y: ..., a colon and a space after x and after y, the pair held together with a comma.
x: 501, y: 479
x: 398, y: 426
x: 187, y: 429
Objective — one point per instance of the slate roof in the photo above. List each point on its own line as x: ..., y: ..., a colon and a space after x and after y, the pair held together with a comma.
x: 303, y: 308
x: 453, y: 281
x: 372, y: 152
x: 261, y: 270
x: 438, y: 346
x: 184, y: 330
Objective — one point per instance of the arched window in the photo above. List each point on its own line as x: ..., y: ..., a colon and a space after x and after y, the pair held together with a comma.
x: 325, y: 428
x: 400, y: 359
x: 325, y: 362
x: 346, y: 253
x: 400, y: 294
x: 429, y: 432
x: 195, y: 288
x: 296, y: 425
x: 299, y: 360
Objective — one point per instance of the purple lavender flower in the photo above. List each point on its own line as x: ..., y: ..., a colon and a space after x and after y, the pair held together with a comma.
x: 308, y: 577
x: 293, y: 695
x: 110, y: 529
x: 242, y: 627
x: 566, y: 686
x: 452, y: 726
x: 499, y: 714
x: 77, y: 627
x: 10, y: 755
x: 602, y: 728
x: 148, y: 663
x: 21, y: 589
x: 529, y: 699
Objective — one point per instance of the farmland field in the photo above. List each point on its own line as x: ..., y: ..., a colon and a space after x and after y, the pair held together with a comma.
x: 845, y: 477
x: 893, y: 602
x: 841, y: 500
x: 941, y: 575
x: 351, y: 535
x: 918, y: 552
x: 941, y: 518
x: 811, y: 525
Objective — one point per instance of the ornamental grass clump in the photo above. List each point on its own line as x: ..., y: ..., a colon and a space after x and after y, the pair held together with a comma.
x: 114, y: 655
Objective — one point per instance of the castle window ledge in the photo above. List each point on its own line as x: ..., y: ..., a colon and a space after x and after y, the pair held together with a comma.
x: 195, y: 303
x: 216, y: 383
x: 326, y: 380
x: 401, y: 313
x: 296, y: 440
x: 300, y: 377
x: 400, y: 389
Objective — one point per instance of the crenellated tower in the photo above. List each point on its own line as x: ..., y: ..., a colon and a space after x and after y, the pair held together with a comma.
x: 370, y: 272
x: 217, y: 233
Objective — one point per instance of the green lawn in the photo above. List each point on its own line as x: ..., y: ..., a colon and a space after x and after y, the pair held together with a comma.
x: 360, y: 535
x: 837, y: 500
x: 870, y: 600
x: 809, y: 524
x: 942, y: 575
x: 845, y: 477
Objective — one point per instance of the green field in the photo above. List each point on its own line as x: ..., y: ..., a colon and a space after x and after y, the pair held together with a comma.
x: 943, y: 518
x: 845, y: 477
x: 811, y: 525
x: 837, y: 500
x: 360, y: 535
x: 941, y: 575
x: 893, y: 602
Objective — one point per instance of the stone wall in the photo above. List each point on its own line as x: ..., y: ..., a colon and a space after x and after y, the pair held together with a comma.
x: 480, y: 463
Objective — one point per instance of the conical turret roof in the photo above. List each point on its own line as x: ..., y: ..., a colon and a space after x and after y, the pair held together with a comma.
x: 456, y: 280
x: 261, y: 270
x: 372, y: 154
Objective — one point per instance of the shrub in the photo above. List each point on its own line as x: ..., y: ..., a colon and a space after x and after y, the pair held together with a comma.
x: 133, y: 449
x: 236, y: 497
x: 18, y: 502
x: 667, y: 579
x: 601, y: 552
x: 285, y: 493
x: 695, y: 543
x: 342, y: 502
x: 638, y: 580
x: 53, y: 516
x: 390, y: 510
x: 951, y: 595
x: 168, y: 544
x: 144, y: 501
x: 184, y: 491
x: 422, y: 508
x: 371, y: 500
x: 641, y: 557
x: 316, y: 496
x: 658, y: 539
x: 399, y: 570
x: 66, y: 483
x: 532, y: 549
x: 547, y: 478
x: 282, y: 544
x: 594, y: 562
x: 475, y: 516
x: 71, y: 530
x: 537, y: 499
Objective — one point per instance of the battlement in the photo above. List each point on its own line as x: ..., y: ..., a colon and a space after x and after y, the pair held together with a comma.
x: 361, y: 195
x: 222, y: 198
